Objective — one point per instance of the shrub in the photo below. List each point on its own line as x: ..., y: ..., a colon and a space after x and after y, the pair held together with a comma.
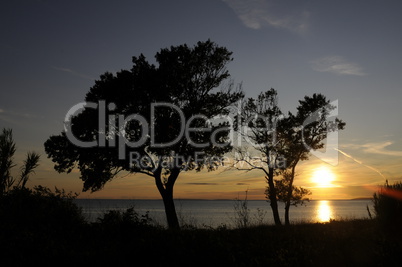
x: 39, y: 209
x: 38, y: 226
x: 388, y: 204
x: 242, y: 213
x: 126, y: 218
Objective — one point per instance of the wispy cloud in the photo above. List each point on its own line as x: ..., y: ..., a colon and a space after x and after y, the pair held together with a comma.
x: 16, y: 117
x: 256, y: 14
x: 381, y: 148
x: 14, y: 113
x: 73, y: 72
x: 337, y: 65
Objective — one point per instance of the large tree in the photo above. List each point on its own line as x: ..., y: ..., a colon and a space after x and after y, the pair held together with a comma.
x: 158, y: 120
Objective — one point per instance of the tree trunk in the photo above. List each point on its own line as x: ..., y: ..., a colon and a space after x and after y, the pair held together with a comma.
x: 170, y: 209
x: 272, y: 197
x: 287, y: 207
x: 166, y: 191
x: 289, y: 195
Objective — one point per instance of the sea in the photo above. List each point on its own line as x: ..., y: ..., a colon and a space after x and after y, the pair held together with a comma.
x: 216, y: 213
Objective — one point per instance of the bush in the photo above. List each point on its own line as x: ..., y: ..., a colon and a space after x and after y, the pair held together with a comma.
x: 39, y: 209
x: 38, y: 226
x: 127, y: 218
x: 388, y: 204
x: 242, y: 213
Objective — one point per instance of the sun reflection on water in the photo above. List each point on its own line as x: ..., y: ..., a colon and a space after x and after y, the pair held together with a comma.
x: 323, y: 211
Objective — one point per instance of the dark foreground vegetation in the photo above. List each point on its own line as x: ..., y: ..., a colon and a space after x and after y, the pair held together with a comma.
x: 41, y: 227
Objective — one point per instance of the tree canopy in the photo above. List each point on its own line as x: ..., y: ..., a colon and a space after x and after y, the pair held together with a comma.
x: 156, y: 119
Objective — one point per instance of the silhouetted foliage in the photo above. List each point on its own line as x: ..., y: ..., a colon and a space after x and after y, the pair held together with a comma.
x: 242, y: 212
x: 388, y: 204
x: 39, y: 208
x: 338, y: 243
x: 29, y: 165
x: 185, y: 77
x: 41, y: 227
x: 305, y: 131
x: 127, y: 218
x: 261, y: 116
x: 7, y: 151
x: 299, y: 194
x: 284, y: 140
x: 37, y: 224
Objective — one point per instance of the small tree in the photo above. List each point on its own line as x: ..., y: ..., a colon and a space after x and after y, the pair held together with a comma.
x: 256, y: 121
x: 7, y: 151
x: 161, y: 121
x: 303, y: 132
x: 283, y: 141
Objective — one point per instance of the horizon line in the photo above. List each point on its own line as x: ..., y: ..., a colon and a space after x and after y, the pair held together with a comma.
x: 215, y: 199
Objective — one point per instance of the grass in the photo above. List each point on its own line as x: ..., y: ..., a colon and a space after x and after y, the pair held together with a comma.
x: 338, y: 243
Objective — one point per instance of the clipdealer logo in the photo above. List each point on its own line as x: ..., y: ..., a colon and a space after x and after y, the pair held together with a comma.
x: 118, y: 137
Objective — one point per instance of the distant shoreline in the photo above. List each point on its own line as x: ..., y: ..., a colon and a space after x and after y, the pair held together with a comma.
x: 220, y: 199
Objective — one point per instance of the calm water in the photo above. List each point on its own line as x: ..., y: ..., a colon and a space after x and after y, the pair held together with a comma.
x: 217, y: 212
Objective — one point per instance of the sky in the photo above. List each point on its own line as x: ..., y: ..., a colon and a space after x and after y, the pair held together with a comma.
x: 51, y: 52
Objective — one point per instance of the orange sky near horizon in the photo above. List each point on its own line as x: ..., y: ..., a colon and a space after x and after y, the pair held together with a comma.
x: 350, y: 180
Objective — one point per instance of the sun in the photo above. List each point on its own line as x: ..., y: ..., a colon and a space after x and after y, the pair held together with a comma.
x: 323, y: 177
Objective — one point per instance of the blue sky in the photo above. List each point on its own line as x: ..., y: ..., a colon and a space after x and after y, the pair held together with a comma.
x: 52, y: 51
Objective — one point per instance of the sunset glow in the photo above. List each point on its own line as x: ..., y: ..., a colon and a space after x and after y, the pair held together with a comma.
x: 323, y: 177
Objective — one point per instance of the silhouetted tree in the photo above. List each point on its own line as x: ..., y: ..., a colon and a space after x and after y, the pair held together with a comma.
x: 7, y: 151
x: 160, y: 121
x: 303, y: 132
x: 260, y: 117
x: 282, y: 141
